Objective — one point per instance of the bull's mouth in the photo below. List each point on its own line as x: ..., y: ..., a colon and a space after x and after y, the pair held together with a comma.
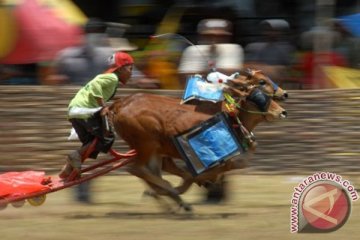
x: 283, y: 114
x: 272, y: 118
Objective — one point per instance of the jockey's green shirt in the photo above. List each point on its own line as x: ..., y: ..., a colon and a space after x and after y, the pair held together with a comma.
x: 102, y: 86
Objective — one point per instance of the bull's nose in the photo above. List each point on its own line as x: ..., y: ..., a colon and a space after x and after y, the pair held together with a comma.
x: 283, y: 114
x: 286, y: 95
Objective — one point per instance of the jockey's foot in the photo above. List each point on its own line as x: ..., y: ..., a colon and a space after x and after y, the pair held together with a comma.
x: 73, y: 163
x: 65, y: 171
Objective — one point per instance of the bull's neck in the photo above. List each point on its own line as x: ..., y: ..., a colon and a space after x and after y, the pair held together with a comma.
x: 249, y: 120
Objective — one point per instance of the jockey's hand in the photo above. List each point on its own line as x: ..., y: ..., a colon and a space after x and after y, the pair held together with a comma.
x: 104, y: 111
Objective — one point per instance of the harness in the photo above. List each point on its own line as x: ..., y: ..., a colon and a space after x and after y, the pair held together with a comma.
x: 248, y: 137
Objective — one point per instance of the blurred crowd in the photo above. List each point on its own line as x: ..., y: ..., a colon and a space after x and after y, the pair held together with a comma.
x: 166, y: 59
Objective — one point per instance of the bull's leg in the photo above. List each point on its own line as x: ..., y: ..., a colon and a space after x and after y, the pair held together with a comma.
x: 167, y: 164
x: 155, y: 165
x: 144, y: 173
x: 217, y: 186
x: 216, y: 191
x: 164, y: 204
x: 170, y: 166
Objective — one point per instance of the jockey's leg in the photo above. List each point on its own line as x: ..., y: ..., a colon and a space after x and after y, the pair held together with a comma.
x: 74, y: 161
x: 65, y: 171
x: 88, y: 130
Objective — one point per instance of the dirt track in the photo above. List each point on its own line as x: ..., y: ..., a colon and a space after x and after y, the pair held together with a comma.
x: 258, y: 208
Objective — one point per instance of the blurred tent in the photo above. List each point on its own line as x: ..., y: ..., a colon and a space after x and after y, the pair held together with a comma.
x: 36, y: 30
x: 342, y: 77
x: 351, y: 23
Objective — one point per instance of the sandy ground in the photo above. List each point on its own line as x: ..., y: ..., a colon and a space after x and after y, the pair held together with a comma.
x: 258, y: 208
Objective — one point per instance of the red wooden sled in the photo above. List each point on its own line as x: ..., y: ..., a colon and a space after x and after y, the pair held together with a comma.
x: 42, y: 185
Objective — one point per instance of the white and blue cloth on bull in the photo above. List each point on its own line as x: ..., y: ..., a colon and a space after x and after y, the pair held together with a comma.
x: 208, y: 144
x: 199, y: 88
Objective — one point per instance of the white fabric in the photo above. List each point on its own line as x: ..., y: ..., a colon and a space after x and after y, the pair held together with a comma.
x: 195, y: 58
x: 218, y: 77
x: 73, y: 135
x: 81, y: 112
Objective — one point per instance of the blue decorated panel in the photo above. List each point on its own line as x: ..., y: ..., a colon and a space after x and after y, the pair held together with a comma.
x: 208, y: 144
x: 198, y: 88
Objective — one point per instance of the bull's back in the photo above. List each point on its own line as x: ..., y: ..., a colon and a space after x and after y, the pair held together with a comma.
x: 165, y: 110
x: 150, y: 121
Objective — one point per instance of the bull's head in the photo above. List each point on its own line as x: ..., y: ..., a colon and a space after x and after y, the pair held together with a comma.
x: 258, y: 79
x: 253, y: 100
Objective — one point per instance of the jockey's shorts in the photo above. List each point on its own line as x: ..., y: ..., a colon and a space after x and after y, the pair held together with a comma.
x: 91, y: 128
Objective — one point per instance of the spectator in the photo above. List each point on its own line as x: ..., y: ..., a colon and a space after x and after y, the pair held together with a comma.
x: 160, y: 66
x: 274, y: 55
x: 76, y: 65
x: 214, y: 50
x: 18, y: 74
x: 318, y: 45
x: 349, y: 44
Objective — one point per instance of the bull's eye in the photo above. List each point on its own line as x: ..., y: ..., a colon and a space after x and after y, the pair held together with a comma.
x: 262, y: 82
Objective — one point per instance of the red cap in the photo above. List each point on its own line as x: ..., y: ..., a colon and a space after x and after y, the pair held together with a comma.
x: 119, y: 59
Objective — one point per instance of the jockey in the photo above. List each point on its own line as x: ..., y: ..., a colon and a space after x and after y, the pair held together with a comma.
x: 88, y: 110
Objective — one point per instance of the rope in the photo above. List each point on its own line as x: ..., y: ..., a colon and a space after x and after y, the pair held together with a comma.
x: 232, y: 101
x: 248, y: 136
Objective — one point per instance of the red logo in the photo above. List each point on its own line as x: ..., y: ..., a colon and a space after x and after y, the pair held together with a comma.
x: 325, y: 207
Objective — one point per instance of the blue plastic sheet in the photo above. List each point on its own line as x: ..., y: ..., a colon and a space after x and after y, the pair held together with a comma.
x: 198, y: 88
x: 208, y: 144
x: 213, y: 144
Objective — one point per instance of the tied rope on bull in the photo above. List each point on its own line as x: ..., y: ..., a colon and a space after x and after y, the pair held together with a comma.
x: 249, y: 139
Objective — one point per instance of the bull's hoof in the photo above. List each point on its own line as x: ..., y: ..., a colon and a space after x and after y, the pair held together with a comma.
x: 186, y: 207
x: 147, y: 193
x: 216, y: 192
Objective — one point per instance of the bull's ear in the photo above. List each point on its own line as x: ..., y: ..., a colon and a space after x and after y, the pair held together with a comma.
x: 258, y: 74
x: 247, y: 72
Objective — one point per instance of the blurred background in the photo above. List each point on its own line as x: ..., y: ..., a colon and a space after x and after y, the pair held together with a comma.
x: 316, y: 40
x: 50, y: 48
x: 309, y: 47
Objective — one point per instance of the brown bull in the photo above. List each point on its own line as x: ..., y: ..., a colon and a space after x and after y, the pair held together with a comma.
x: 213, y: 179
x: 148, y: 123
x: 258, y: 79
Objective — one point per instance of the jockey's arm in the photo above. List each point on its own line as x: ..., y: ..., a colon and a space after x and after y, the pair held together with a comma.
x: 102, y: 103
